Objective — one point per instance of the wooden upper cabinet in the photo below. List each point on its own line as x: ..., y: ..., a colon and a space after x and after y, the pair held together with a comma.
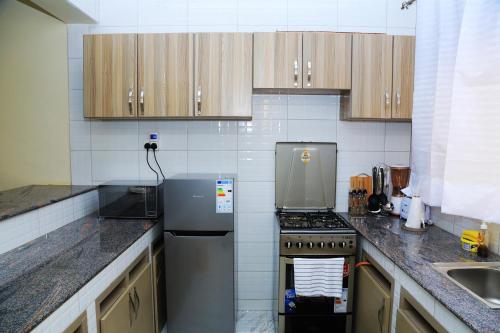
x: 277, y: 60
x: 165, y: 70
x: 223, y: 75
x: 110, y: 75
x: 327, y: 60
x: 371, y: 76
x: 403, y: 70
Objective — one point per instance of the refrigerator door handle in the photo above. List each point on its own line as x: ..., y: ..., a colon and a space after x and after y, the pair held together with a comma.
x: 198, y: 233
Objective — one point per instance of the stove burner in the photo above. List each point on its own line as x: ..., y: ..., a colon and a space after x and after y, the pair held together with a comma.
x: 318, y: 220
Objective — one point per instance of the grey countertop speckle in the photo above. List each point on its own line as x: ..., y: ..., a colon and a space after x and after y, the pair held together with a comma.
x: 38, y: 277
x: 24, y: 199
x: 414, y: 253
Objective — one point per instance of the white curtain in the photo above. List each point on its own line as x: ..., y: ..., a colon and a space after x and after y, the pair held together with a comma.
x: 456, y: 120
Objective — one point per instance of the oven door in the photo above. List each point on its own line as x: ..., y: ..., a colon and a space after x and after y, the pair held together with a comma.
x: 314, y: 324
x: 314, y: 305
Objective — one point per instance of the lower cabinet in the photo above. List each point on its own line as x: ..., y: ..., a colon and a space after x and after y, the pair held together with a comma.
x: 79, y: 325
x: 413, y: 318
x: 159, y: 287
x: 127, y: 305
x: 373, y: 302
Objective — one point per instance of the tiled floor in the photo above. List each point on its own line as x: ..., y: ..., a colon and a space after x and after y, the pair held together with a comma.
x: 254, y: 322
x: 251, y: 322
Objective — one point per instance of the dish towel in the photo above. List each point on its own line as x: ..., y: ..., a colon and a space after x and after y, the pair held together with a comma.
x: 318, y: 277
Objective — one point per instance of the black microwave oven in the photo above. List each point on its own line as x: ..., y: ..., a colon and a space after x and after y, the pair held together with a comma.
x: 131, y: 199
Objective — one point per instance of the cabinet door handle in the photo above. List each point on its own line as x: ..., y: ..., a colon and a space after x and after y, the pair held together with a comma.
x: 296, y: 73
x: 309, y: 73
x: 380, y: 316
x: 130, y: 100
x: 131, y: 306
x: 198, y: 101
x: 138, y: 302
x: 387, y: 98
x: 398, y: 98
x: 141, y: 100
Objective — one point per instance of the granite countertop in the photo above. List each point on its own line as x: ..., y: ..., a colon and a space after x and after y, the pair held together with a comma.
x: 38, y: 277
x: 23, y: 199
x: 414, y: 253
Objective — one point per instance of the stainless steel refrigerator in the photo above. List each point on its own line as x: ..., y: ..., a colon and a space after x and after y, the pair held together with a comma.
x: 199, y: 253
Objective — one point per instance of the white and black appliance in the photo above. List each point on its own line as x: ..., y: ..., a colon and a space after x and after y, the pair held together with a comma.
x: 309, y: 228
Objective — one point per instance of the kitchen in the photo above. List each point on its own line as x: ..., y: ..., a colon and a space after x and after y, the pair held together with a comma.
x: 88, y: 148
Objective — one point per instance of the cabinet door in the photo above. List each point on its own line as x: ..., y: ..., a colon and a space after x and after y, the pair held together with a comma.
x: 408, y: 322
x: 373, y: 303
x: 165, y: 75
x: 207, y: 48
x: 119, y: 318
x: 277, y: 60
x: 142, y: 292
x: 110, y: 75
x: 327, y: 60
x: 236, y: 75
x: 223, y: 75
x: 371, y: 76
x: 403, y: 69
x: 159, y: 288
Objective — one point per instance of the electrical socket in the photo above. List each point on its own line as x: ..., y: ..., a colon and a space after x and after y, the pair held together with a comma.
x: 154, y: 137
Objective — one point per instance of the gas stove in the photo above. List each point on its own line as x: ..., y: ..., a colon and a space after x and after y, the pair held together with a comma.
x: 315, y: 233
x: 312, y: 222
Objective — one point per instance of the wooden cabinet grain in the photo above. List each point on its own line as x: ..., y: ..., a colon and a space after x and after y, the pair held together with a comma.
x: 403, y: 72
x: 165, y: 73
x: 223, y: 75
x: 371, y: 76
x: 296, y: 60
x: 110, y: 75
x: 327, y: 60
x: 382, y: 78
x: 277, y: 60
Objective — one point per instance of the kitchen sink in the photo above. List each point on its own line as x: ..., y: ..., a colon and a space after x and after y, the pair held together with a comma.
x: 482, y: 280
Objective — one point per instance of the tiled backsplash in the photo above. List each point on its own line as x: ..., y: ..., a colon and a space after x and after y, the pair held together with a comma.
x: 455, y: 224
x: 103, y: 150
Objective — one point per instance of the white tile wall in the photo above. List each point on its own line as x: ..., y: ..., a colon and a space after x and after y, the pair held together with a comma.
x: 456, y: 224
x: 23, y: 228
x: 245, y: 147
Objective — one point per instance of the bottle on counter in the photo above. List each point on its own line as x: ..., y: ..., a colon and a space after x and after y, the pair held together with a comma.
x: 482, y: 249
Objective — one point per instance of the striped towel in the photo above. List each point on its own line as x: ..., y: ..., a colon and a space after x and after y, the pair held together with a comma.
x: 318, y: 277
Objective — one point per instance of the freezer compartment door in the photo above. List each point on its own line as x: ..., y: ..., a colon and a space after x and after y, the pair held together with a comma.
x: 200, y: 282
x: 193, y: 205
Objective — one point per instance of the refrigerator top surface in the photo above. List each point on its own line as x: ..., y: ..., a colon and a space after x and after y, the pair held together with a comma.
x: 306, y: 174
x: 203, y: 176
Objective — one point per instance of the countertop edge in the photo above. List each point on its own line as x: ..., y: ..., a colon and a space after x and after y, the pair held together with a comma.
x: 437, y: 297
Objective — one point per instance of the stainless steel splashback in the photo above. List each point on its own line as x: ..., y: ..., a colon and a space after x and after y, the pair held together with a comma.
x: 306, y: 174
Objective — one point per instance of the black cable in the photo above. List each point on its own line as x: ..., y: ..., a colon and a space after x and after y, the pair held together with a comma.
x: 158, y: 164
x: 149, y: 165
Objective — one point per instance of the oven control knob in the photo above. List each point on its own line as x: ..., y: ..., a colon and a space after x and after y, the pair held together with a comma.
x: 299, y: 245
x: 342, y: 244
x: 331, y: 245
x: 310, y: 245
x: 288, y: 245
x: 321, y: 245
